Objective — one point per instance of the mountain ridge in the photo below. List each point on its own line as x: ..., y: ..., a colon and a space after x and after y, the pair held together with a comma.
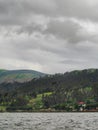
x: 59, y: 92
x: 22, y: 75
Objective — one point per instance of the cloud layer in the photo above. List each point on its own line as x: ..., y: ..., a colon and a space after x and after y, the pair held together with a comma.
x: 48, y: 35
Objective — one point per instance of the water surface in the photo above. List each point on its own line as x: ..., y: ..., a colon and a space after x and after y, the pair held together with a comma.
x: 48, y: 121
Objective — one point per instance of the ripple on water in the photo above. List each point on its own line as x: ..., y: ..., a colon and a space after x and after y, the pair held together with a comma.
x: 48, y: 121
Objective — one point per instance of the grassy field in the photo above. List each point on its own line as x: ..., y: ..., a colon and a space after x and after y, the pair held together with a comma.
x: 34, y: 103
x: 37, y: 102
x: 2, y: 108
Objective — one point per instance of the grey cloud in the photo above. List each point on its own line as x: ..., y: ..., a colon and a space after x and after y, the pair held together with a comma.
x: 74, y: 62
x: 83, y: 9
x: 46, y: 55
x: 21, y: 11
x: 66, y: 30
x: 71, y: 31
x: 32, y: 34
x: 18, y: 12
x: 9, y: 12
x: 29, y: 29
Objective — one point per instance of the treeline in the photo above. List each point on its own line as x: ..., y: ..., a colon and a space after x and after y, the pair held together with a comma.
x: 67, y: 89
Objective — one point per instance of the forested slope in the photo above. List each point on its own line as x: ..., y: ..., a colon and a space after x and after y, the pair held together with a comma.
x: 56, y: 91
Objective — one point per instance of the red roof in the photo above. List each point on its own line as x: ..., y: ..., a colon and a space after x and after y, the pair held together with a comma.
x: 81, y: 103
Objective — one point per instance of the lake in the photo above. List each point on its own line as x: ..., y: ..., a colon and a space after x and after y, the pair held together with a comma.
x: 48, y: 121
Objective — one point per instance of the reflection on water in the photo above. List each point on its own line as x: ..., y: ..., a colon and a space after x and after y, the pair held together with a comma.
x: 48, y: 121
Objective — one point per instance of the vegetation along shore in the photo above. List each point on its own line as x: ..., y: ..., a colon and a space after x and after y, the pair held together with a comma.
x: 69, y: 92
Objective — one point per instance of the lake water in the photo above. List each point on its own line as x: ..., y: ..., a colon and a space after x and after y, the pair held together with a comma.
x: 48, y: 121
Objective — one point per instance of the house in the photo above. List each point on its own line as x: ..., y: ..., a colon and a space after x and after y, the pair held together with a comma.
x: 81, y: 106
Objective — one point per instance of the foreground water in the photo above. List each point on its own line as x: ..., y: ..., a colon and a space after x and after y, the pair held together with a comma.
x: 48, y: 121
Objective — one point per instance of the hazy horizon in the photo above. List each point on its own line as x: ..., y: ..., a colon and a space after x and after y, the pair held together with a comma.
x: 48, y: 73
x: 49, y: 36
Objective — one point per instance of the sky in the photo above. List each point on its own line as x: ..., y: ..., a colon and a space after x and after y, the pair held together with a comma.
x: 51, y: 36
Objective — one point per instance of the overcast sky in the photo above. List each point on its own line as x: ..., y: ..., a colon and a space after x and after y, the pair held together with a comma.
x: 50, y: 36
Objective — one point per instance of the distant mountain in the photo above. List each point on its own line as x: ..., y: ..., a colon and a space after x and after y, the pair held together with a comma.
x: 19, y: 75
x: 69, y: 81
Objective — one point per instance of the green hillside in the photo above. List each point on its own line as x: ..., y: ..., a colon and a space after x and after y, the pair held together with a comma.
x: 19, y: 75
x: 59, y: 92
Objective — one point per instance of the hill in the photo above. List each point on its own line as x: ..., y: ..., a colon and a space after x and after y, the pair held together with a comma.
x: 59, y: 91
x: 19, y: 75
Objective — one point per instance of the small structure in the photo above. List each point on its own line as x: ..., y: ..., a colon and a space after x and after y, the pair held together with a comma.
x: 81, y: 106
